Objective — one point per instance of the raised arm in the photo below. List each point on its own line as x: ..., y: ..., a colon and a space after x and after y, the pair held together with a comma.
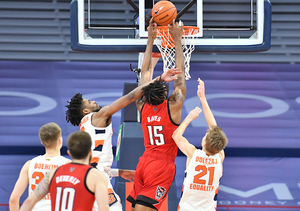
x: 132, y: 96
x: 182, y: 143
x: 176, y: 99
x: 210, y: 119
x: 176, y: 32
x: 147, y: 69
x: 20, y: 187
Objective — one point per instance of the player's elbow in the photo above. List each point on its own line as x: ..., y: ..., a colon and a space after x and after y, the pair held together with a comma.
x: 183, y: 90
x: 175, y: 136
x: 28, y: 204
x: 13, y: 199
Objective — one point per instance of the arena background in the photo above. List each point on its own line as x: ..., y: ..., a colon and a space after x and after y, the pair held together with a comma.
x: 255, y: 98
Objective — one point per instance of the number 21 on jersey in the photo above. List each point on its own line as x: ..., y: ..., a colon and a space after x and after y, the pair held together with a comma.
x: 155, y: 135
x: 203, y: 171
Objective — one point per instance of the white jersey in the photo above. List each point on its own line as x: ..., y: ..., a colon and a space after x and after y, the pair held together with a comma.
x: 102, y: 155
x: 201, y: 182
x: 38, y: 168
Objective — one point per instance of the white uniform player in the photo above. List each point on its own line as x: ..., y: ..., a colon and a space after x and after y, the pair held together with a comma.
x: 204, y: 167
x: 102, y: 155
x: 38, y: 168
x: 200, y: 186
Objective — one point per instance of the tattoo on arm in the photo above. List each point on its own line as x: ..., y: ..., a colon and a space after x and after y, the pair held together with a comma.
x: 43, y: 187
x: 178, y: 82
x: 149, y: 65
x: 179, y: 97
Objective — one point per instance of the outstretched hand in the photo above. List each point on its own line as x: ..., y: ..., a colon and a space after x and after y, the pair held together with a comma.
x: 152, y: 30
x: 194, y: 113
x: 127, y: 174
x: 201, y: 89
x: 176, y: 29
x: 170, y: 75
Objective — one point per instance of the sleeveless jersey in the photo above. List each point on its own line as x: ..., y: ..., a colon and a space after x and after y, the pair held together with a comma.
x: 38, y: 168
x: 158, y: 129
x: 68, y: 188
x: 102, y: 155
x: 201, y: 182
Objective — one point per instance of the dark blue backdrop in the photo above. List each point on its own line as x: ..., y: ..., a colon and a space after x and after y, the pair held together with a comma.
x: 257, y: 105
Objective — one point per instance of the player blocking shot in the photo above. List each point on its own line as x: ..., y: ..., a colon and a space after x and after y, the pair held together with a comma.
x: 160, y: 116
x: 96, y: 120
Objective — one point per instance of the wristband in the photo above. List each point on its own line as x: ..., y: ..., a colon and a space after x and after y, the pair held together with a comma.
x: 115, y: 172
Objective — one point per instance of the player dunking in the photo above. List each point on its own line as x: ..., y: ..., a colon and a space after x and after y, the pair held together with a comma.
x: 76, y: 185
x: 96, y: 121
x: 35, y: 170
x: 203, y: 167
x: 160, y: 116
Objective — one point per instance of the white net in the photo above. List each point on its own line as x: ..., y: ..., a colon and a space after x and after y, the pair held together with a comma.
x: 165, y: 44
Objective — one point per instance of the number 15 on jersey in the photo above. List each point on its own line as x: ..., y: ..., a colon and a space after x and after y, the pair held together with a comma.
x: 155, y: 135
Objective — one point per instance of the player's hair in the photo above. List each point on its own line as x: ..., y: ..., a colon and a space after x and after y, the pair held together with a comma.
x: 216, y: 139
x: 79, y: 144
x: 49, y: 134
x: 74, y: 113
x: 156, y: 92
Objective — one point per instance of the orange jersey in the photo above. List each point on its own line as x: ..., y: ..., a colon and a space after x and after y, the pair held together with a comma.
x: 68, y: 188
x: 158, y: 129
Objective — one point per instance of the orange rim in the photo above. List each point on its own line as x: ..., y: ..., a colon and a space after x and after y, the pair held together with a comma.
x: 187, y: 30
x: 167, y: 39
x: 156, y: 55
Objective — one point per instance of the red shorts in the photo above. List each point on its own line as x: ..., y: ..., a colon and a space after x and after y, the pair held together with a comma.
x: 153, y: 178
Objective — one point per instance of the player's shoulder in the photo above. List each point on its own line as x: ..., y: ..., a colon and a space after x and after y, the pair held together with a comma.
x: 101, y: 113
x: 33, y: 161
x: 95, y: 171
x: 27, y: 164
x: 64, y: 160
x: 222, y: 155
x: 96, y: 174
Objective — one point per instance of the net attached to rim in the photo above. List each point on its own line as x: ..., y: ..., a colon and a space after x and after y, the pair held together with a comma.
x: 166, y: 46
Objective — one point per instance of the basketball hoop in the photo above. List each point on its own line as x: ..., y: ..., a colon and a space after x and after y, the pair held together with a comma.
x: 166, y: 46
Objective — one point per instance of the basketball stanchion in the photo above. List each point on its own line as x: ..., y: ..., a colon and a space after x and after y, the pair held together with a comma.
x: 166, y: 46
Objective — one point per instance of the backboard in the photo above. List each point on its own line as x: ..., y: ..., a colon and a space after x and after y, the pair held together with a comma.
x: 121, y: 26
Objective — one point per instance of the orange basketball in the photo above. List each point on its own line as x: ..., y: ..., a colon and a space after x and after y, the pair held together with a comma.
x: 164, y: 12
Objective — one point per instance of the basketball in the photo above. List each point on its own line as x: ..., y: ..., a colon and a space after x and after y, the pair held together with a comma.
x: 164, y: 12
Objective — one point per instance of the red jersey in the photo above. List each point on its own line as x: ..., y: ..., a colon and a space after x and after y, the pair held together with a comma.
x: 68, y: 188
x: 158, y: 129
